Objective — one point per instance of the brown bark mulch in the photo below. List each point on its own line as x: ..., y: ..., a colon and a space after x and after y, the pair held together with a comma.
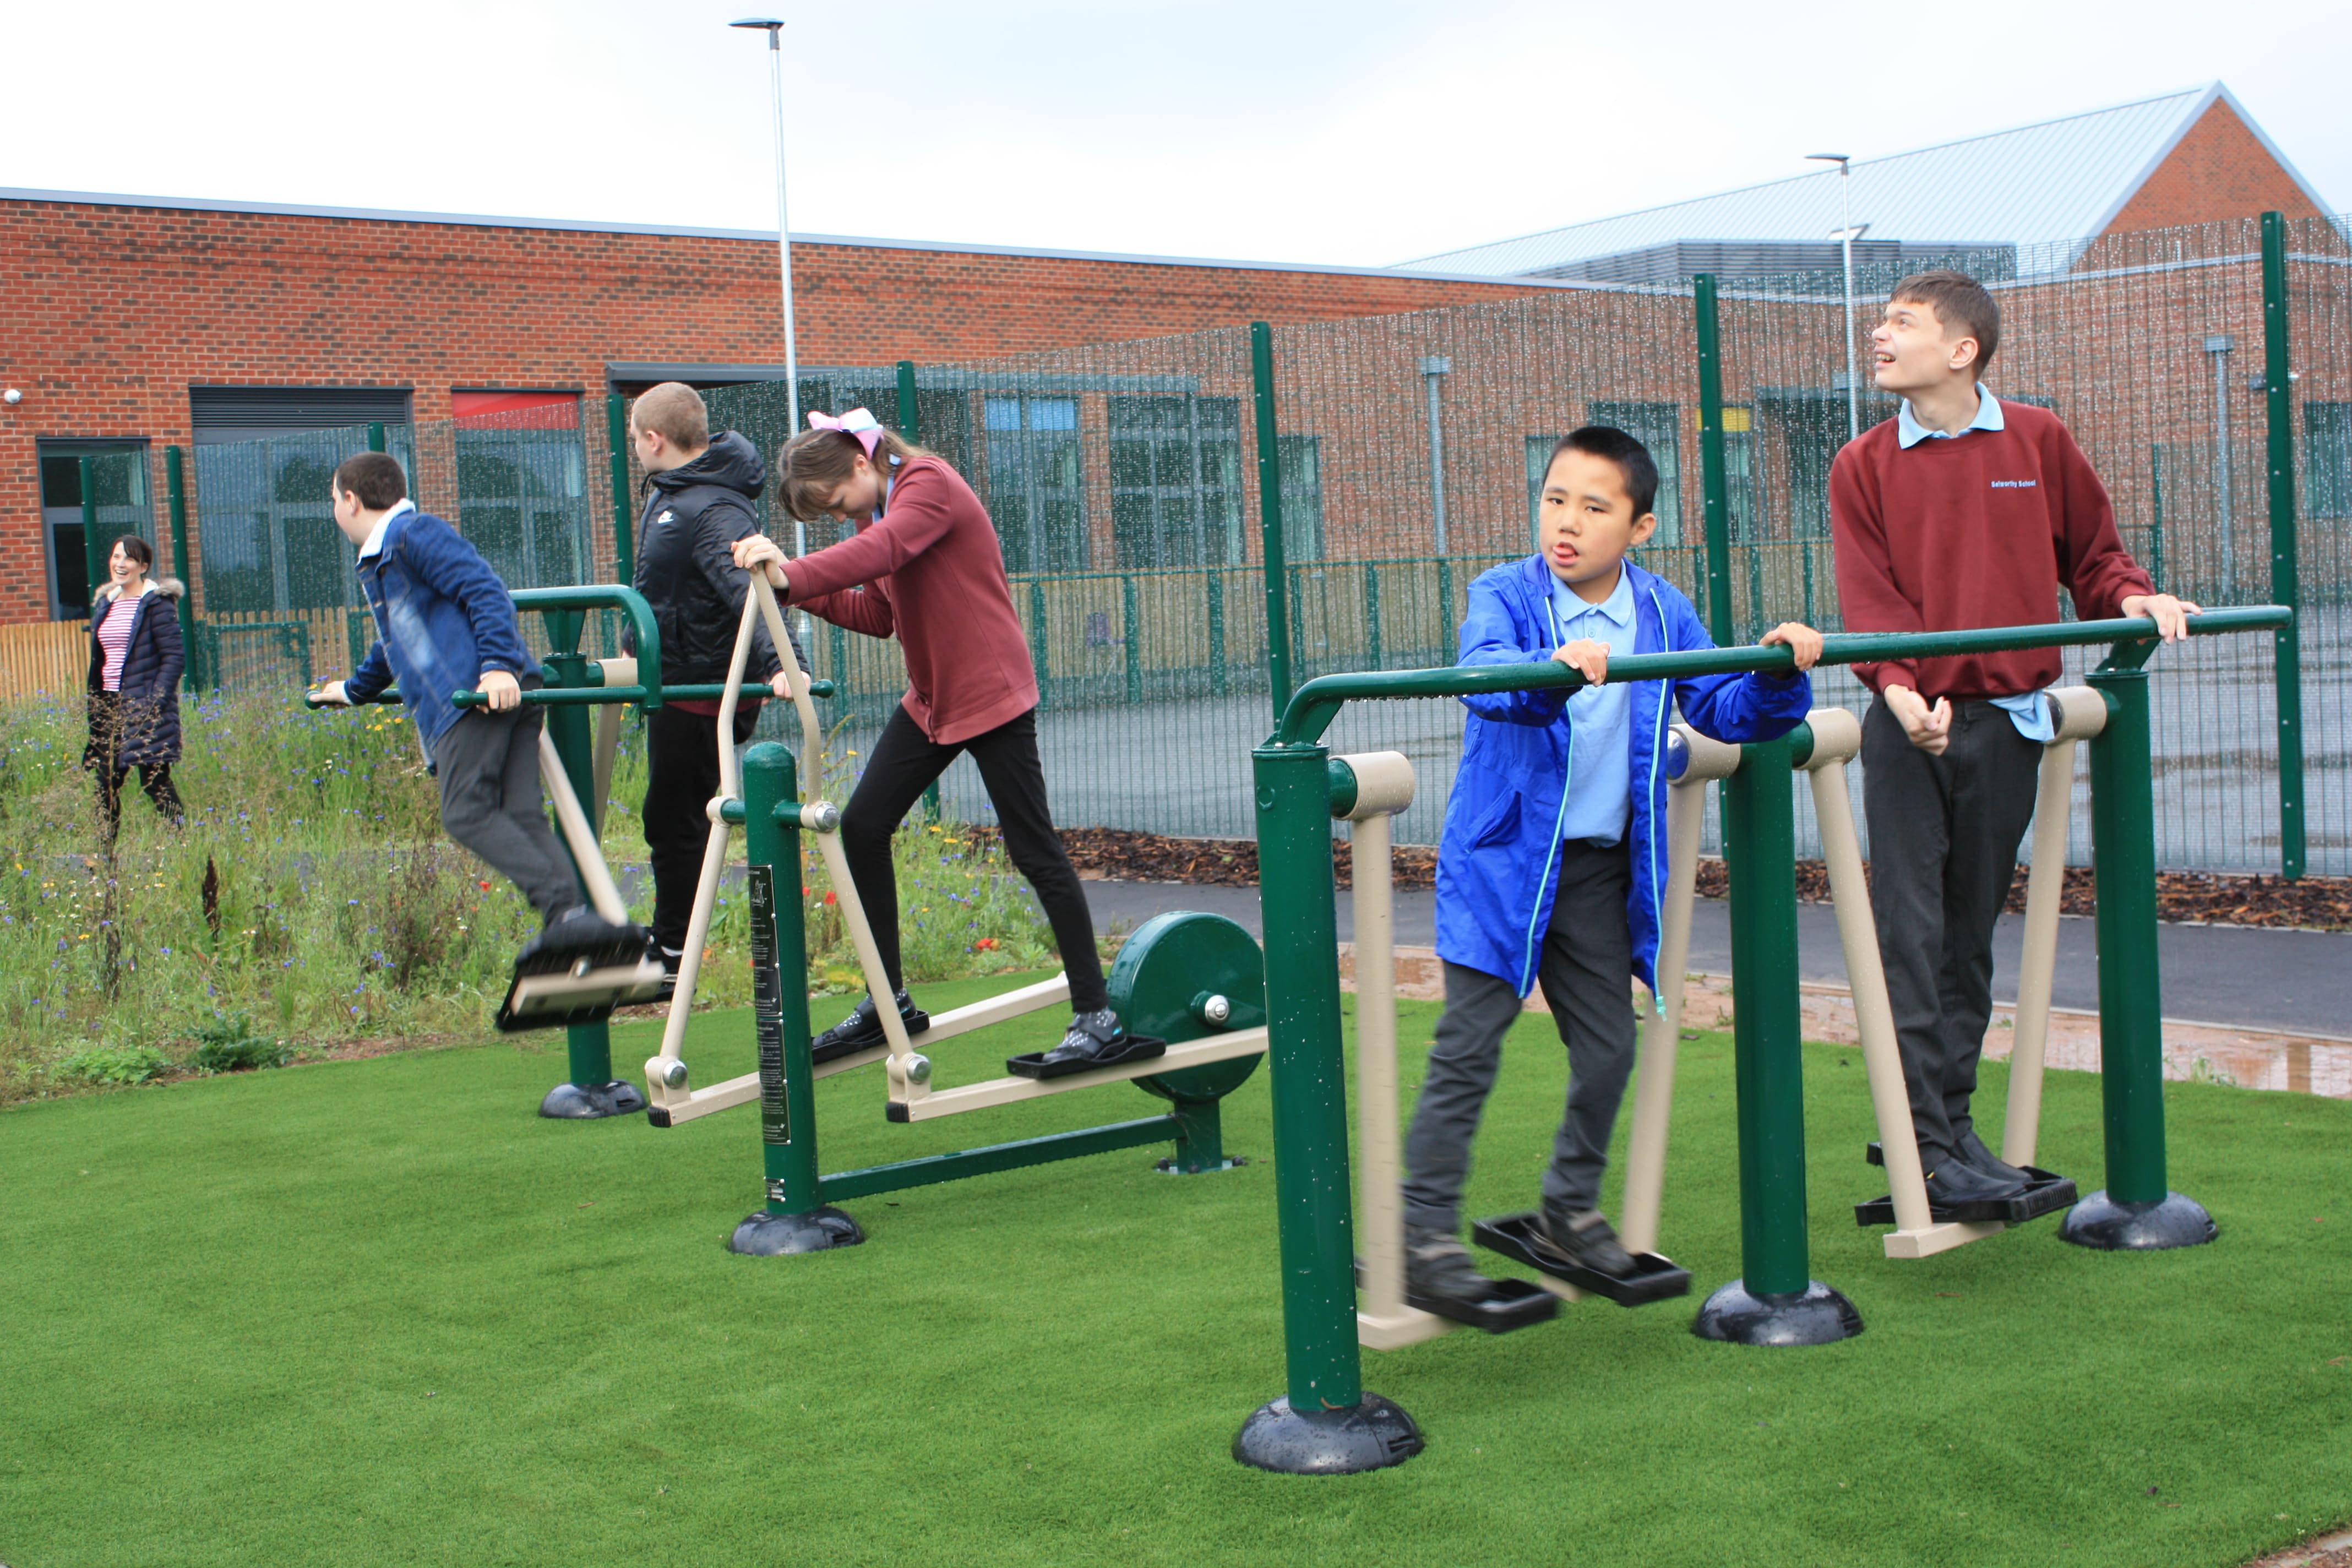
x: 2317, y: 902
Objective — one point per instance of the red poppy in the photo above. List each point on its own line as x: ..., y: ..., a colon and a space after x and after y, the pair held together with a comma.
x: 985, y: 944
x: 828, y: 898
x: 484, y: 887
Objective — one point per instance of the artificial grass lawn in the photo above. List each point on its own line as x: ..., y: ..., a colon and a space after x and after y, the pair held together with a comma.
x: 377, y: 1313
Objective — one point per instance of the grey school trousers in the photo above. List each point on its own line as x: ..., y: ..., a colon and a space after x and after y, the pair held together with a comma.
x: 1587, y: 974
x: 1944, y: 833
x: 487, y: 765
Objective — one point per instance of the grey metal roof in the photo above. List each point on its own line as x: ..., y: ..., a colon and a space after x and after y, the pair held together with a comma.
x: 2046, y: 188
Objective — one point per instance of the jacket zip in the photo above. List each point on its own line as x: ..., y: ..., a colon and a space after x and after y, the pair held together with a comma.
x: 1527, y: 953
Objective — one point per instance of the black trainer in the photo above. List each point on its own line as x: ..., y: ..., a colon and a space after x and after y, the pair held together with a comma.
x: 576, y: 933
x: 1584, y: 1240
x: 1099, y: 1039
x: 670, y: 959
x: 862, y: 1030
x: 1983, y: 1160
x: 1952, y: 1182
x: 1437, y: 1268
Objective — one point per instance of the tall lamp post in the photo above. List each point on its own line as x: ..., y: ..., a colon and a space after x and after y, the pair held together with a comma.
x: 775, y: 27
x: 1847, y: 234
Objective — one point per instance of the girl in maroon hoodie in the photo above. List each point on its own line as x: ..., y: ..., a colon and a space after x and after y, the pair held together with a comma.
x: 925, y: 564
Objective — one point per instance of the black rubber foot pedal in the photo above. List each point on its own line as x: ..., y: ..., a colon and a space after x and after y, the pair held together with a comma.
x: 581, y: 991
x: 1654, y: 1278
x: 1136, y: 1048
x: 1513, y: 1304
x: 2047, y: 1193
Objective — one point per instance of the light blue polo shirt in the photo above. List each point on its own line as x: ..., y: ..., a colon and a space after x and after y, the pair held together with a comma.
x: 1600, y: 718
x: 2028, y: 711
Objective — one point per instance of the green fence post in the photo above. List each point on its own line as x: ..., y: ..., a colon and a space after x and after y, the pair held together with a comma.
x: 1269, y: 516
x: 616, y: 453
x: 1131, y: 639
x: 2156, y: 513
x: 2138, y: 1209
x: 176, y: 488
x: 592, y: 1090
x: 376, y: 437
x: 1326, y: 1424
x: 1217, y: 631
x: 1372, y: 613
x: 2287, y: 650
x: 1714, y: 487
x: 1040, y: 644
x: 794, y: 1219
x: 1776, y: 1300
x: 93, y: 569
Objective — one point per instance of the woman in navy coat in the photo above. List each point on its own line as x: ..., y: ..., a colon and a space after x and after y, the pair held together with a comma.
x: 136, y: 659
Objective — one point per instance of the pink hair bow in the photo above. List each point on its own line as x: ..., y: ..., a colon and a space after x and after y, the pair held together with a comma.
x: 858, y: 424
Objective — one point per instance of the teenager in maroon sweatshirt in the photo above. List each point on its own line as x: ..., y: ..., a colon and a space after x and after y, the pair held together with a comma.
x: 1963, y: 511
x: 925, y: 564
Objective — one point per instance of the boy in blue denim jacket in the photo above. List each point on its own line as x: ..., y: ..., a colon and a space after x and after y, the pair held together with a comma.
x: 1553, y: 859
x: 444, y: 623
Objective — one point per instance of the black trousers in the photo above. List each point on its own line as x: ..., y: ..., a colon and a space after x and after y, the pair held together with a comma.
x: 901, y: 765
x: 1587, y: 975
x: 1944, y: 833
x: 487, y: 765
x: 155, y: 779
x: 682, y: 774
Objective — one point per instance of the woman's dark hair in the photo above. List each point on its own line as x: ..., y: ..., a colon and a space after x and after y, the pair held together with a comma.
x: 815, y: 463
x: 139, y: 550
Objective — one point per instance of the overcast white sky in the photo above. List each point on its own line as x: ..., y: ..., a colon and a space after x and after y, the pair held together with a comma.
x: 1361, y: 133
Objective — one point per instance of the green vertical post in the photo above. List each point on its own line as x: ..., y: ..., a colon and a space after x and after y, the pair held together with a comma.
x: 1444, y: 596
x: 1217, y: 630
x: 590, y: 1091
x: 2286, y: 643
x: 911, y: 428
x: 1131, y: 638
x: 1327, y: 1422
x: 1039, y: 644
x: 616, y: 453
x: 794, y: 1219
x: 1269, y: 514
x: 175, y: 489
x: 2136, y: 1210
x: 1715, y: 486
x: 1775, y: 1301
x: 93, y: 567
x: 1758, y: 817
x: 376, y: 437
x: 1373, y: 614
x: 2156, y: 513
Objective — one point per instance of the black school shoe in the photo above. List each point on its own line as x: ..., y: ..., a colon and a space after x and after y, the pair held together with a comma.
x: 669, y: 958
x: 862, y: 1030
x: 1097, y: 1039
x: 576, y: 933
x: 1437, y: 1268
x: 1586, y: 1240
x: 1984, y: 1162
x: 1953, y: 1181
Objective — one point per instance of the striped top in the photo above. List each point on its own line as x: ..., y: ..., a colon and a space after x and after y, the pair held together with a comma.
x: 114, y: 637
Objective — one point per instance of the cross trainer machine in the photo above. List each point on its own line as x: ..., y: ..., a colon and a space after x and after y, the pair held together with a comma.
x: 1195, y: 981
x: 1367, y: 790
x: 581, y: 994
x: 1920, y: 1231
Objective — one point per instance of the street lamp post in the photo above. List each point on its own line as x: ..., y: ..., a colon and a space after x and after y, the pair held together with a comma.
x: 1846, y: 234
x: 775, y: 27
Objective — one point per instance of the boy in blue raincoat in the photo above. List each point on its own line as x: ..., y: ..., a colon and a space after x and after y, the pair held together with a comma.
x: 1553, y: 859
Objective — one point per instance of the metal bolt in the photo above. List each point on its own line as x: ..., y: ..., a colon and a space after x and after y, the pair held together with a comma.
x: 919, y: 1068
x: 1215, y: 1009
x: 822, y: 816
x: 673, y: 1074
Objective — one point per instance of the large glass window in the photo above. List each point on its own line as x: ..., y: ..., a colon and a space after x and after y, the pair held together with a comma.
x: 522, y: 485
x: 2327, y: 458
x: 1035, y: 489
x: 269, y: 543
x: 1658, y: 426
x: 75, y: 554
x: 1175, y: 478
x: 1302, y: 497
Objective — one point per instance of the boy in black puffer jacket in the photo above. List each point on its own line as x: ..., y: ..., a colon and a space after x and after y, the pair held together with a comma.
x: 701, y: 499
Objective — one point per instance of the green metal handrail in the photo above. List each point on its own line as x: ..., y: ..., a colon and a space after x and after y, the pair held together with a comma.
x: 1316, y: 704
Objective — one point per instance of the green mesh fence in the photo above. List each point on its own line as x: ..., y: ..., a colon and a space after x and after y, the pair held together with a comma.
x: 1124, y: 479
